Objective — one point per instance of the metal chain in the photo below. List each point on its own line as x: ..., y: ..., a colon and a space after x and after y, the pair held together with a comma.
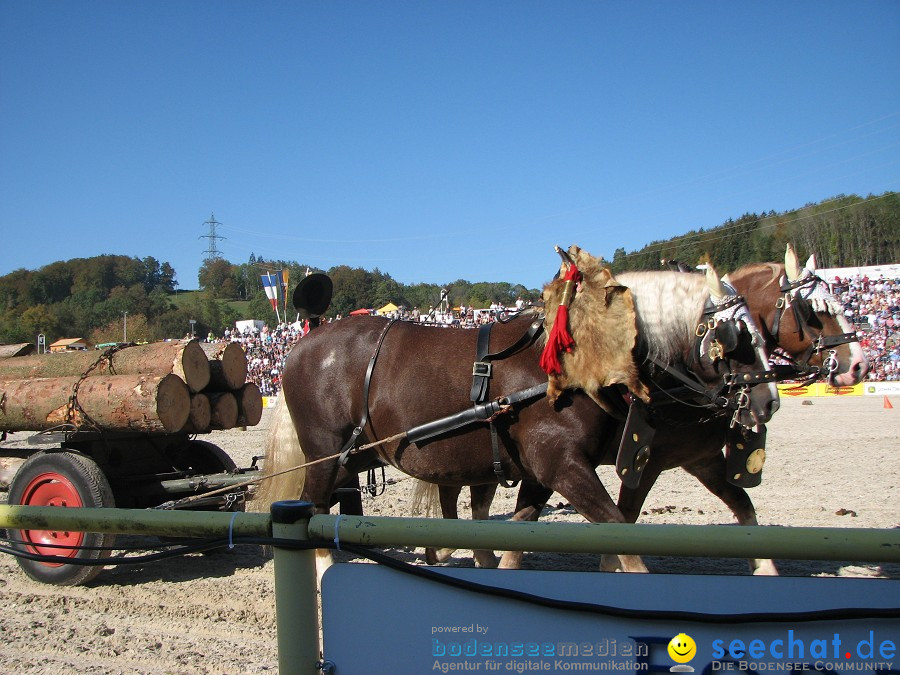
x: 73, y: 404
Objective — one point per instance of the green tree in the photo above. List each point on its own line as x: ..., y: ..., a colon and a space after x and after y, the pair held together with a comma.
x: 217, y: 277
x: 35, y: 320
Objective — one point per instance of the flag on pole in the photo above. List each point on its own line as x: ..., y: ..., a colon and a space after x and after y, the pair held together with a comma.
x: 274, y: 291
x: 268, y: 282
x: 286, y: 275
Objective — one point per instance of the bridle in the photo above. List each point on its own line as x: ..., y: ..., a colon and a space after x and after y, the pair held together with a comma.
x: 719, y: 337
x: 797, y: 294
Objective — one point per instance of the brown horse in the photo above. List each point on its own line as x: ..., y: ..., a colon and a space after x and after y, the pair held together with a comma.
x: 802, y: 319
x: 700, y: 448
x: 771, y: 290
x: 369, y: 378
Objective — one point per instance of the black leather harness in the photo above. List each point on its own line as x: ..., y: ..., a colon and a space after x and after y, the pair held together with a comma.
x: 482, y: 371
x: 482, y: 409
x: 804, y: 318
x: 367, y: 383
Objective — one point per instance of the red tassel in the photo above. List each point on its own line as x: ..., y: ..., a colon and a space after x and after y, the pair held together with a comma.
x: 560, y: 339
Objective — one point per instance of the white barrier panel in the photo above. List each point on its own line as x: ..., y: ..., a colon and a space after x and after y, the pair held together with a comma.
x: 403, y: 624
x: 881, y: 388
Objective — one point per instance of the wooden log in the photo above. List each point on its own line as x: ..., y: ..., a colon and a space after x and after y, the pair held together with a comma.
x: 223, y: 410
x: 187, y: 360
x: 148, y: 403
x: 227, y: 365
x: 250, y: 405
x: 200, y: 415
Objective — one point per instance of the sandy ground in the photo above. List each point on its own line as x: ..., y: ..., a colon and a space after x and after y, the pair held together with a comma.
x: 833, y: 463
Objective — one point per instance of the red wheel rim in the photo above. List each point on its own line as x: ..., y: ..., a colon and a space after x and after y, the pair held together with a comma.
x: 52, y: 489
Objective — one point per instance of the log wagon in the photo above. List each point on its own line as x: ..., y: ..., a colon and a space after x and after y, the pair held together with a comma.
x: 120, y: 429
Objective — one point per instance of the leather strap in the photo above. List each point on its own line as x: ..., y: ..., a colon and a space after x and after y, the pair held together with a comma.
x: 482, y: 369
x: 480, y: 412
x: 367, y: 382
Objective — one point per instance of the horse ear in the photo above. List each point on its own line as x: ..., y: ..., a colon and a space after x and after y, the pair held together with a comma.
x: 791, y: 264
x: 811, y: 264
x: 714, y: 283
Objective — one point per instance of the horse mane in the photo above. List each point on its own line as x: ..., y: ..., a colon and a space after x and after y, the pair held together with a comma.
x: 820, y: 302
x: 775, y: 271
x: 668, y: 306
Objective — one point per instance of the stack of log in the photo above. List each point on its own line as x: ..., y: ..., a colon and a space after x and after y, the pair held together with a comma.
x: 164, y: 387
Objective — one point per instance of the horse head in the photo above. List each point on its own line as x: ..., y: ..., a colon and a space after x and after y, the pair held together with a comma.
x: 802, y: 318
x: 731, y: 342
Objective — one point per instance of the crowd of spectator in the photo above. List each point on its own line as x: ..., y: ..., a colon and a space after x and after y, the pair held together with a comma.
x: 459, y: 317
x: 873, y: 306
x: 266, y: 349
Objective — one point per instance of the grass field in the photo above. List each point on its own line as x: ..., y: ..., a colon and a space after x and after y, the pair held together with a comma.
x: 182, y: 298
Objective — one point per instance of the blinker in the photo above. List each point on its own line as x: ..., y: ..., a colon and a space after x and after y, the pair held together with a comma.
x: 735, y: 342
x: 804, y: 311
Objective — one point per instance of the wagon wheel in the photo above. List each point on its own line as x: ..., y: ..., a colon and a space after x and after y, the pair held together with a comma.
x: 206, y: 457
x: 66, y: 479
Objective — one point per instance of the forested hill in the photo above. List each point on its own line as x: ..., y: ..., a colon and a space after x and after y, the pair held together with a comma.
x: 846, y: 231
x: 109, y: 297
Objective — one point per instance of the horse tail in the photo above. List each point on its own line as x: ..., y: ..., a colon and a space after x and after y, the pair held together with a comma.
x: 283, y: 452
x: 425, y: 500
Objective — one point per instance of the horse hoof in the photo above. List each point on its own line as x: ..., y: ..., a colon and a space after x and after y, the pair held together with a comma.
x: 486, y: 560
x: 764, y: 568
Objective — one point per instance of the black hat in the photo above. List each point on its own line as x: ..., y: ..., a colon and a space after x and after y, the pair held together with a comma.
x: 313, y: 295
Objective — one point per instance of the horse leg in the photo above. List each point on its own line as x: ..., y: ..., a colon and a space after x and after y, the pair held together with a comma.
x: 448, y: 497
x: 318, y: 488
x: 482, y: 496
x: 584, y: 491
x: 530, y: 502
x: 631, y: 501
x: 711, y: 473
x: 349, y: 497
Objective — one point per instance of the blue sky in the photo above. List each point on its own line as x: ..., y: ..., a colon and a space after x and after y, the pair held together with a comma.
x: 432, y: 140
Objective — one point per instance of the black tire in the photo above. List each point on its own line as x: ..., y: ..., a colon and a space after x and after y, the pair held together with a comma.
x: 67, y: 479
x: 207, y: 457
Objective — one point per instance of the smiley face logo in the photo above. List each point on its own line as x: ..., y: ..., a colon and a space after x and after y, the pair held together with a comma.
x: 682, y: 648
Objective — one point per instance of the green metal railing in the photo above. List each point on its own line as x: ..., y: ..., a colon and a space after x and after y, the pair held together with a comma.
x: 295, y: 569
